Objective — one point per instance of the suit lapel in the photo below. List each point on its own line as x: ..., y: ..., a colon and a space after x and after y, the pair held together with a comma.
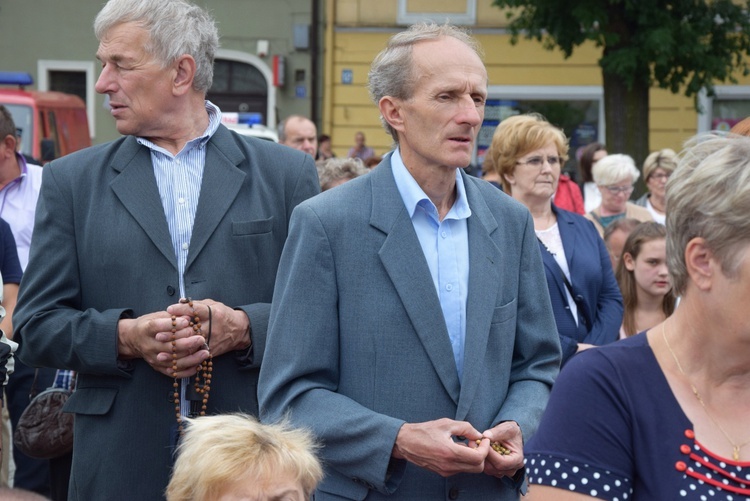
x: 567, y: 234
x: 403, y: 259
x: 135, y: 187
x: 484, y: 277
x: 222, y: 181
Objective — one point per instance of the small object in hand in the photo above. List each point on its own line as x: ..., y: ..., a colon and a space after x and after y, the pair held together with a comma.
x: 497, y: 447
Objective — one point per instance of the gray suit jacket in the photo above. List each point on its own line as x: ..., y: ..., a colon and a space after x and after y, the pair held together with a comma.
x: 357, y: 342
x: 101, y: 251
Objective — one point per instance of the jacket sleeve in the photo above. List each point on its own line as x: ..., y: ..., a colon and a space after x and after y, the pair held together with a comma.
x: 609, y: 307
x: 49, y: 326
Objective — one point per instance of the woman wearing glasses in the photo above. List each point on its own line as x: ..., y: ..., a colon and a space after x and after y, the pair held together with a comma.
x: 615, y: 176
x: 657, y: 168
x: 528, y: 152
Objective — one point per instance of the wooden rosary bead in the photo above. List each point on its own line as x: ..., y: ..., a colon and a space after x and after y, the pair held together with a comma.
x: 203, y: 372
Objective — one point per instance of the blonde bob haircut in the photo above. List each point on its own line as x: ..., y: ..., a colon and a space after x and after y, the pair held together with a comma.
x: 218, y: 450
x: 614, y: 169
x: 663, y: 159
x: 519, y: 135
x: 708, y: 197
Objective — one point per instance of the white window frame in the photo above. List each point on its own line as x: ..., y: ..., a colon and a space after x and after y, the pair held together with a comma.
x: 469, y: 17
x: 44, y: 66
x: 553, y: 93
x: 706, y: 103
x: 252, y: 60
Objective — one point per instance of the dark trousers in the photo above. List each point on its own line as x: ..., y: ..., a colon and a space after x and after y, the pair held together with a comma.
x: 59, y: 469
x: 31, y: 474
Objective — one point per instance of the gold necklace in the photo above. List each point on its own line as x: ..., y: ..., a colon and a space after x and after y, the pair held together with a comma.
x: 735, y: 448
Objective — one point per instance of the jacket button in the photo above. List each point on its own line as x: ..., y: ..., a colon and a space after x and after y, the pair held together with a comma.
x: 453, y: 493
x: 170, y: 290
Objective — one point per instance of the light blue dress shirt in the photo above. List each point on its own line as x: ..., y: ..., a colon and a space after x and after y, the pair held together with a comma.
x: 446, y: 248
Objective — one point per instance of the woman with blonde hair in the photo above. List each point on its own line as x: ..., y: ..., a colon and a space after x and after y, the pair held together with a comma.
x: 664, y: 414
x: 644, y: 279
x: 228, y: 457
x: 657, y: 168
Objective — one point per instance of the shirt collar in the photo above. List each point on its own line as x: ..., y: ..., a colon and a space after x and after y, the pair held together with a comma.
x: 22, y: 165
x: 413, y: 195
x: 214, y: 120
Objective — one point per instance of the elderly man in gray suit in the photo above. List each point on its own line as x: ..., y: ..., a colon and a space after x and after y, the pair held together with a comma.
x: 409, y: 328
x: 179, y: 207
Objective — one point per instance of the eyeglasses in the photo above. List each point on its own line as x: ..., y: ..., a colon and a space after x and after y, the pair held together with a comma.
x: 661, y: 176
x: 616, y: 190
x: 539, y: 161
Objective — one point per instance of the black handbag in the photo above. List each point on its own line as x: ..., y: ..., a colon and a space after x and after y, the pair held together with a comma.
x: 44, y: 431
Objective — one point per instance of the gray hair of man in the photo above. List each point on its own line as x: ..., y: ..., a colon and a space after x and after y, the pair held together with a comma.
x: 338, y: 169
x: 281, y: 128
x: 392, y: 72
x: 175, y: 27
x: 614, y: 169
x: 708, y: 196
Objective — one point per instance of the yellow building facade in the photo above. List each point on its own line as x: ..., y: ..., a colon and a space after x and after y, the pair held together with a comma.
x: 522, y: 77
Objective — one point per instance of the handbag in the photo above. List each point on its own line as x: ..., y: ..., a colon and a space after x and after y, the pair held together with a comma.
x: 44, y: 431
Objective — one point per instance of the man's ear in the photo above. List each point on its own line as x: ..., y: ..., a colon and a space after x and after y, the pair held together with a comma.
x: 391, y: 111
x: 9, y: 141
x: 184, y: 69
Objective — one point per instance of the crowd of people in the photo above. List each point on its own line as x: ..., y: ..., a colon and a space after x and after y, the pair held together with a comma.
x: 251, y: 320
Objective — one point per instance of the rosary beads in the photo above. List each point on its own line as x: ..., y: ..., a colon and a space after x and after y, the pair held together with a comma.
x: 202, y: 384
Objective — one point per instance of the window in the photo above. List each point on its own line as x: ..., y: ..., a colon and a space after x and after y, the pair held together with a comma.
x: 461, y: 12
x: 72, y: 77
x: 730, y: 105
x: 243, y: 83
x: 579, y: 111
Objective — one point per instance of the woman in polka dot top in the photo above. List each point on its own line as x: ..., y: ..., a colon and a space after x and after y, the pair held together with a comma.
x: 665, y: 414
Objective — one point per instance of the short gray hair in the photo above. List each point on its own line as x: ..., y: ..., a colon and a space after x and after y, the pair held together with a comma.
x: 175, y: 27
x: 335, y: 169
x: 614, y: 169
x: 392, y: 71
x: 708, y: 196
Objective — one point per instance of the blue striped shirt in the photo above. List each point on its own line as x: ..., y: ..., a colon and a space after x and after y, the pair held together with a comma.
x: 179, y: 179
x: 446, y: 247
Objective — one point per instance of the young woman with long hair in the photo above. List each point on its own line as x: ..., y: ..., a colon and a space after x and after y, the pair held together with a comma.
x: 642, y: 274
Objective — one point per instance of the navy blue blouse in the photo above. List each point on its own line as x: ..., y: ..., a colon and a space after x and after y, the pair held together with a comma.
x: 613, y: 430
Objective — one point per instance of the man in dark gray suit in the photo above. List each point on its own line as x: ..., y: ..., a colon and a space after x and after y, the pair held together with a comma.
x: 179, y: 207
x: 410, y: 327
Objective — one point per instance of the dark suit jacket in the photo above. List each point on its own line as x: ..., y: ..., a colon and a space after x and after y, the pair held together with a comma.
x: 593, y: 282
x: 102, y: 250
x: 358, y: 345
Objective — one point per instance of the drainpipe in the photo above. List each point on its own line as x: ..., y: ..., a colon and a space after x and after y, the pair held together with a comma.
x: 314, y: 73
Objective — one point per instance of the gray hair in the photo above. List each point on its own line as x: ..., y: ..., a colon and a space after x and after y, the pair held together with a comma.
x: 175, y: 27
x: 614, y: 169
x: 708, y: 196
x: 392, y: 71
x: 335, y: 169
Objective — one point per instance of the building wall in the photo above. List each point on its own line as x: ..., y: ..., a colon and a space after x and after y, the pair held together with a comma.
x: 51, y: 30
x: 361, y: 29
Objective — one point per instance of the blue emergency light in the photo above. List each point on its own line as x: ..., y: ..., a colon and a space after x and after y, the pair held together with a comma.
x: 19, y: 78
